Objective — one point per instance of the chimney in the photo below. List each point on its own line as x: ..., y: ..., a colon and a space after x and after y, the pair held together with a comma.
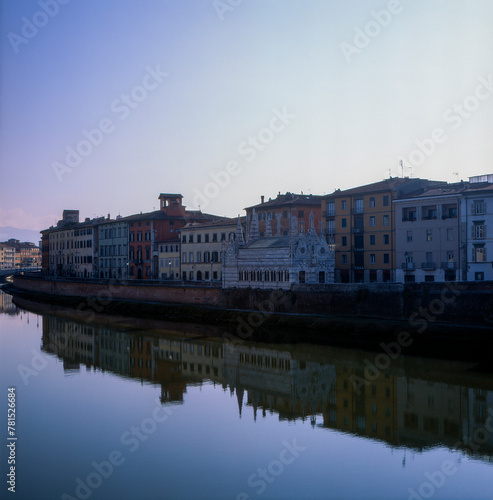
x: 108, y: 216
x: 262, y: 199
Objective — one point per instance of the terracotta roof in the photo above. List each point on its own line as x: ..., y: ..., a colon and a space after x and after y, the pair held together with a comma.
x: 389, y: 184
x: 289, y: 199
x: 218, y: 222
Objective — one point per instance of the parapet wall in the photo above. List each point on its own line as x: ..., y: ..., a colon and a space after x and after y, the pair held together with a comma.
x: 464, y: 303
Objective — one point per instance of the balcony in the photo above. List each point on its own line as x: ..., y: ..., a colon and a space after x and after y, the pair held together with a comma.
x: 330, y: 230
x: 330, y: 213
x: 358, y: 230
x: 428, y: 266
x: 449, y: 265
x: 359, y: 249
x: 358, y: 210
x: 408, y: 265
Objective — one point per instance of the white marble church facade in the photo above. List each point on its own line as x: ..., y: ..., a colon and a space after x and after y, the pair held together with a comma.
x: 277, y: 262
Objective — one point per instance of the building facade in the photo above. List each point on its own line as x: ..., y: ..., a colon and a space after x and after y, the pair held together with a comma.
x: 147, y: 231
x: 7, y: 256
x: 202, y: 249
x: 169, y: 260
x: 112, y: 254
x: 277, y: 262
x: 360, y: 222
x: 477, y: 229
x: 275, y: 216
x: 72, y: 246
x: 428, y: 242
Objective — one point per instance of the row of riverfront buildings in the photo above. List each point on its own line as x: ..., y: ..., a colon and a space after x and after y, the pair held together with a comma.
x: 19, y: 254
x: 395, y: 230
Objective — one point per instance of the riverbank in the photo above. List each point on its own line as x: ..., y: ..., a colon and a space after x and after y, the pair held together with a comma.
x: 273, y: 316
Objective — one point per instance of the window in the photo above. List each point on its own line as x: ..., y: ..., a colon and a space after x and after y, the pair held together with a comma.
x: 190, y: 258
x: 450, y: 234
x: 478, y: 207
x: 190, y: 238
x: 214, y: 237
x: 409, y: 236
x: 358, y: 206
x: 385, y: 201
x: 199, y: 238
x: 386, y: 258
x: 479, y: 253
x: 223, y: 236
x: 386, y: 239
x: 183, y: 239
x: 372, y: 239
x: 343, y: 205
x: 385, y: 220
x: 372, y: 201
x: 343, y: 223
x: 184, y: 258
x: 372, y: 258
x: 344, y: 241
x: 479, y: 231
x: 321, y: 277
x: 372, y: 220
x: 344, y: 259
x: 450, y: 256
x: 300, y: 214
x: 479, y: 276
x: 330, y: 209
x: 429, y: 235
x: 198, y: 256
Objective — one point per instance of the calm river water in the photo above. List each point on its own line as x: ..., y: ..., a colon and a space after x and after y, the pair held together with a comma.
x: 123, y: 409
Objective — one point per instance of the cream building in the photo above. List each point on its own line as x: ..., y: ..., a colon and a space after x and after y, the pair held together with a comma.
x: 202, y: 247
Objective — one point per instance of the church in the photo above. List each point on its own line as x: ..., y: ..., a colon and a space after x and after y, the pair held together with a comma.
x: 275, y: 261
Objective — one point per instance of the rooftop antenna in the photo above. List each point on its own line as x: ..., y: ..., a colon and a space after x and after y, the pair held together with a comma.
x: 410, y: 168
x: 401, y: 163
x: 456, y: 176
x: 390, y: 172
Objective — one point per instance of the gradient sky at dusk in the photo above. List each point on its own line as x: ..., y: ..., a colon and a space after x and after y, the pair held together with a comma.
x: 354, y: 116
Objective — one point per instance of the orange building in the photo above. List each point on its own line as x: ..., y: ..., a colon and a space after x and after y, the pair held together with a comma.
x: 147, y: 231
x: 361, y: 223
x: 283, y: 211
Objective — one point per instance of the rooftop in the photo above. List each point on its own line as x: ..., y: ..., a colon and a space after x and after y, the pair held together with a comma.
x: 289, y: 199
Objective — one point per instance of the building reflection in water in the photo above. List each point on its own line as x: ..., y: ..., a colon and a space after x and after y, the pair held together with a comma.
x: 416, y: 404
x: 7, y: 306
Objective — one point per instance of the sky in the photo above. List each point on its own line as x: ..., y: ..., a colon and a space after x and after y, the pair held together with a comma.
x: 107, y: 104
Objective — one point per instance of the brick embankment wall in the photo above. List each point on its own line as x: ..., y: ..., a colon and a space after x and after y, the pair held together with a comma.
x: 452, y: 303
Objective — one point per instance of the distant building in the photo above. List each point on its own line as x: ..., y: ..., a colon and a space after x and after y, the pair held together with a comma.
x: 70, y: 247
x: 277, y: 261
x: 275, y: 215
x: 360, y: 222
x: 7, y: 256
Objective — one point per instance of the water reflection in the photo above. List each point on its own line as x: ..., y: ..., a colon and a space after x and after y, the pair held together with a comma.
x: 417, y: 403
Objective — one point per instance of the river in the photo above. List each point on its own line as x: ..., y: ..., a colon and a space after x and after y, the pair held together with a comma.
x: 126, y: 408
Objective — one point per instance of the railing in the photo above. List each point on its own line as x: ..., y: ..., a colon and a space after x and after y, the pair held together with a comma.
x: 449, y: 265
x: 430, y: 266
x: 358, y: 210
x: 330, y: 213
x: 408, y: 265
x: 358, y: 229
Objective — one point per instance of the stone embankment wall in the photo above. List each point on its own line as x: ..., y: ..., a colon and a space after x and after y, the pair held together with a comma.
x: 453, y: 303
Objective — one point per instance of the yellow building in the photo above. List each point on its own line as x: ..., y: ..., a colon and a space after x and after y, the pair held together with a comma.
x: 169, y: 260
